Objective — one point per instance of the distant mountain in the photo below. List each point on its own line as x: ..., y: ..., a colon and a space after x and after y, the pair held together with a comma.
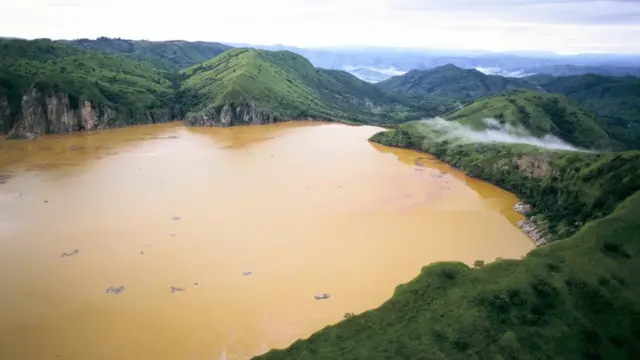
x: 373, y: 74
x: 615, y: 99
x: 259, y: 86
x: 540, y: 114
x: 166, y: 55
x: 452, y: 81
x: 514, y: 63
x: 572, y: 70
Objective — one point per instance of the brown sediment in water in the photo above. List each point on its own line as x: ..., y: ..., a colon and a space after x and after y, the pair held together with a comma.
x: 306, y: 208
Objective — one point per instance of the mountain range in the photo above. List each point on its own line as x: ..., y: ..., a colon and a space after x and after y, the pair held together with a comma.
x: 573, y: 298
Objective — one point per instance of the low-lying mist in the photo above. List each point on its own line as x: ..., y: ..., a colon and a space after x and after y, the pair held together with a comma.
x: 495, y: 132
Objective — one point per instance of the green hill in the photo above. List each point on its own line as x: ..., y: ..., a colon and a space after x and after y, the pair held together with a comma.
x: 134, y: 91
x: 167, y: 55
x: 263, y: 86
x: 541, y: 114
x: 616, y: 100
x: 452, y: 81
x: 574, y: 298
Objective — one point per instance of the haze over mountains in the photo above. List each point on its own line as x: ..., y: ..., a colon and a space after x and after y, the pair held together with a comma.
x: 375, y: 64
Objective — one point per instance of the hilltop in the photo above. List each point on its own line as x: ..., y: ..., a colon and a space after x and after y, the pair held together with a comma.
x: 166, y: 55
x: 44, y: 84
x: 616, y: 100
x: 452, y: 81
x: 540, y: 114
x: 257, y: 86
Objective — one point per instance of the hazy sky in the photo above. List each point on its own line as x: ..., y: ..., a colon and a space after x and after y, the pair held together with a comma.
x: 567, y: 26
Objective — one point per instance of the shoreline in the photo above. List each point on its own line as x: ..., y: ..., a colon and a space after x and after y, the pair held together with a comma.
x: 528, y: 225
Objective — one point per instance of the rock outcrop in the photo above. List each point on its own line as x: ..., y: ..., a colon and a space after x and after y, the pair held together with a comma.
x: 533, y: 231
x: 523, y: 208
x: 529, y: 226
x: 5, y: 115
x: 230, y: 115
x: 55, y: 113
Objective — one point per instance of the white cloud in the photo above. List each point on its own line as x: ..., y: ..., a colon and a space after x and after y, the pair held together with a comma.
x: 319, y: 23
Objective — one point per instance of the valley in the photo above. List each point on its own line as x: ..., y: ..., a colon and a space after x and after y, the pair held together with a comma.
x: 287, y: 211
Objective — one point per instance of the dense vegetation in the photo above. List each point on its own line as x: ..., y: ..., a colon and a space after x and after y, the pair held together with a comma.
x: 541, y: 114
x: 167, y: 55
x: 616, y: 100
x: 452, y: 82
x: 116, y: 81
x: 287, y: 86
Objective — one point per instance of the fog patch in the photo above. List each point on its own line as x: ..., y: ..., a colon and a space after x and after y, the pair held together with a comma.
x: 503, y: 72
x: 494, y: 133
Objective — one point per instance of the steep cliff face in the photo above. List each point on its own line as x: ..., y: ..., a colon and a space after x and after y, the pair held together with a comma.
x: 55, y: 113
x: 230, y: 115
x: 5, y: 115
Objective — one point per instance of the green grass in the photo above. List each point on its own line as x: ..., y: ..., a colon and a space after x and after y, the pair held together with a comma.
x: 541, y: 114
x: 121, y: 83
x: 287, y: 86
x: 616, y: 100
x: 573, y: 299
x: 452, y: 82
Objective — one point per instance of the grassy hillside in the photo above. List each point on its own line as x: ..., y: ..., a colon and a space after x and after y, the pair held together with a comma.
x: 166, y: 55
x: 572, y: 299
x: 113, y: 80
x: 541, y: 114
x: 616, y: 100
x: 287, y: 86
x: 452, y: 81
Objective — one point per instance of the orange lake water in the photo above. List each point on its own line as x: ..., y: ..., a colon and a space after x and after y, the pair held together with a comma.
x: 306, y: 207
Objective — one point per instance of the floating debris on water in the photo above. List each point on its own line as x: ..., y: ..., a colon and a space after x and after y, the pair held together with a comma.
x: 173, y: 234
x: 321, y: 296
x: 175, y: 218
x: 175, y: 289
x: 195, y: 284
x: 65, y: 254
x: 247, y: 273
x: 141, y: 252
x: 115, y: 290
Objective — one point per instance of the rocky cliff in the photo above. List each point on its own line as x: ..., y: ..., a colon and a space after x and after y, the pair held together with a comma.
x: 230, y: 115
x: 55, y: 112
x: 5, y: 115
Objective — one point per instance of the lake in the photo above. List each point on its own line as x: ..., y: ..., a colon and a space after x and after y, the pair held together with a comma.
x: 168, y: 242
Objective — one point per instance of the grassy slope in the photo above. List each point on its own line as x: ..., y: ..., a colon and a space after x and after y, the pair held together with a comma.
x: 288, y: 86
x: 542, y: 114
x: 573, y: 299
x: 615, y: 99
x: 166, y: 55
x: 112, y: 80
x: 452, y: 81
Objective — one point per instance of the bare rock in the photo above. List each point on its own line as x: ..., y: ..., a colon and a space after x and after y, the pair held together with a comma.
x: 523, y: 208
x: 529, y: 227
